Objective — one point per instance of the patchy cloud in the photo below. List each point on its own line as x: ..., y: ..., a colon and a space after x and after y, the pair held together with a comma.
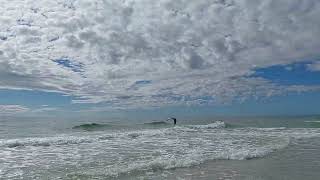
x: 190, y: 52
x: 44, y: 110
x: 12, y: 109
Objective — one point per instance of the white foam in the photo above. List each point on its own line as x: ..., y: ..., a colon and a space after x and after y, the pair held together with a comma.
x: 215, y: 125
x: 193, y: 157
x: 43, y: 141
x: 72, y: 139
x: 122, y: 153
x: 312, y: 121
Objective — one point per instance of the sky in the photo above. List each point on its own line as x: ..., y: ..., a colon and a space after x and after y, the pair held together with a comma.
x: 142, y: 58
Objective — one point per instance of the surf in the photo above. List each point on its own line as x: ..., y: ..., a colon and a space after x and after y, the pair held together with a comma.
x: 125, y: 152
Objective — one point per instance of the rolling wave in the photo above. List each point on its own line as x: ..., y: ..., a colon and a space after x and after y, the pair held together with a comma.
x: 92, y: 126
x: 313, y: 124
x: 48, y: 141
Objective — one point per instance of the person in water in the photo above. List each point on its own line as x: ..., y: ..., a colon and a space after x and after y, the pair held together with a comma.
x: 174, y: 120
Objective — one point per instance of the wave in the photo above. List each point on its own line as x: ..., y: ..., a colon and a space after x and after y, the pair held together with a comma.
x: 313, y: 124
x: 122, y: 153
x: 151, y: 133
x: 267, y: 129
x: 63, y: 140
x: 215, y: 125
x: 92, y: 126
x: 156, y: 123
x: 72, y: 140
x: 192, y: 158
x: 312, y: 121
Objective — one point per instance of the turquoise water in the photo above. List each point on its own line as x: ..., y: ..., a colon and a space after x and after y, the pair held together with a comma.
x: 221, y: 148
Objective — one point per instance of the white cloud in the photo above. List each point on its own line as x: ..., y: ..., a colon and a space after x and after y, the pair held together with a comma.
x: 12, y: 109
x: 192, y: 52
x: 44, y: 110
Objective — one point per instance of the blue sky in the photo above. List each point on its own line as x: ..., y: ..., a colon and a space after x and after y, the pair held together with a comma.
x: 293, y: 74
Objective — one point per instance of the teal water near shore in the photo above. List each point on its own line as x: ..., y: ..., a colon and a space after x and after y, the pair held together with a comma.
x: 224, y: 148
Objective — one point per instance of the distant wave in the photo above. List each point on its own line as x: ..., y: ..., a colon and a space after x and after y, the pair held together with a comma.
x: 271, y: 129
x: 215, y: 125
x: 62, y: 140
x: 92, y: 126
x: 313, y: 124
x: 157, y: 123
x: 66, y: 140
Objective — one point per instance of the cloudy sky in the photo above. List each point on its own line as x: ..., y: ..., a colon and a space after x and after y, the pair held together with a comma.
x: 210, y: 56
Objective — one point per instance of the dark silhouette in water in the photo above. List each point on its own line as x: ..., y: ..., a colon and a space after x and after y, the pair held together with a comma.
x: 92, y: 126
x: 174, y: 120
x: 156, y: 123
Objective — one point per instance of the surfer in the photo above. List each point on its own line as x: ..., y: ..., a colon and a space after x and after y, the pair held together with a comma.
x: 174, y: 120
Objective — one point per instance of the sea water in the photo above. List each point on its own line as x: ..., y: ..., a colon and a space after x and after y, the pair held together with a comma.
x: 236, y: 148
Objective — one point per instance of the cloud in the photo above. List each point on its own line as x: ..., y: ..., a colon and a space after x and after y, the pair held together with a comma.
x: 12, y: 109
x: 315, y: 66
x: 44, y: 110
x: 183, y: 52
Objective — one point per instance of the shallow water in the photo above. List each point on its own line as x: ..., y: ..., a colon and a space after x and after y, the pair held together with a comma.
x: 208, y: 150
x: 300, y: 160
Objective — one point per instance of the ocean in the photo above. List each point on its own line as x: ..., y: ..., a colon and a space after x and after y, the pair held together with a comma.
x: 253, y: 148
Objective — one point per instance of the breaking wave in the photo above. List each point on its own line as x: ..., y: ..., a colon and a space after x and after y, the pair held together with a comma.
x: 48, y: 141
x: 215, y: 125
x: 123, y: 152
x: 194, y: 157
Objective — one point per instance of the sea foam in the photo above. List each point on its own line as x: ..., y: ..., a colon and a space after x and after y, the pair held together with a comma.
x: 215, y: 125
x: 113, y: 154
